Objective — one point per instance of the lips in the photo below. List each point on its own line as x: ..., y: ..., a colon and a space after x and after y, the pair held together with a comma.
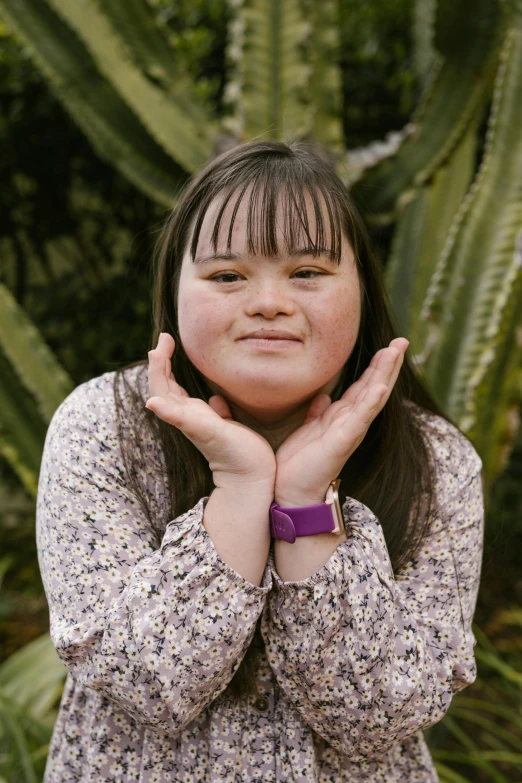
x: 275, y: 334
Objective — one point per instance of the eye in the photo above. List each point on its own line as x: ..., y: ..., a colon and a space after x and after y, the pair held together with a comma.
x: 221, y: 277
x: 232, y: 277
x: 311, y: 273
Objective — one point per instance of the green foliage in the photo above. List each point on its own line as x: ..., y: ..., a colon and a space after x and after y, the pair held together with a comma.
x: 451, y: 103
x: 197, y: 34
x: 481, y: 734
x: 31, y: 683
x: 421, y: 233
x: 110, y: 125
x: 34, y: 363
x: 379, y: 84
x: 156, y: 88
x: 184, y: 135
x: 285, y: 76
x: 473, y: 302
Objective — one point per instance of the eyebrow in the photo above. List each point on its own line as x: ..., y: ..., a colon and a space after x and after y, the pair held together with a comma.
x: 301, y: 251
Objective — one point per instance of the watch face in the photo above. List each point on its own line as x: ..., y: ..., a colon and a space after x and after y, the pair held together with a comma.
x: 336, y: 507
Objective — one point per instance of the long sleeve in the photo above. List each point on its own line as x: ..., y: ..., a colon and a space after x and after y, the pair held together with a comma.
x: 368, y: 658
x: 161, y: 631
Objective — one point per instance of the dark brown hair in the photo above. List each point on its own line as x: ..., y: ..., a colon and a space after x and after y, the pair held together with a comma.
x: 391, y: 471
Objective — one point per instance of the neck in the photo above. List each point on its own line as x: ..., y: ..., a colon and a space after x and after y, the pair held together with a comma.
x: 274, y: 427
x: 277, y: 426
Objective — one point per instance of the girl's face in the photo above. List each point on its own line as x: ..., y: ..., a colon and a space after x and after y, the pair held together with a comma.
x: 223, y: 299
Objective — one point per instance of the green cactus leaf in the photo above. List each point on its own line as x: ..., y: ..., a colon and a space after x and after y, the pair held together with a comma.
x: 325, y: 82
x: 185, y: 140
x: 473, y: 344
x: 420, y: 236
x: 31, y: 359
x: 22, y: 429
x: 33, y: 385
x: 149, y: 49
x: 112, y: 128
x: 425, y: 55
x: 450, y: 105
x: 269, y: 71
x: 33, y: 677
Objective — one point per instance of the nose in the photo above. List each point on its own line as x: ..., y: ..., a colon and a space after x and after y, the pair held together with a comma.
x: 269, y: 299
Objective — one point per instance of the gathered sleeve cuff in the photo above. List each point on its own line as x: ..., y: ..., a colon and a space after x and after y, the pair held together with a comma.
x: 161, y: 630
x: 368, y: 658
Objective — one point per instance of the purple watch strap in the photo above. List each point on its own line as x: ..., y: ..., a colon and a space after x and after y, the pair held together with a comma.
x: 288, y: 523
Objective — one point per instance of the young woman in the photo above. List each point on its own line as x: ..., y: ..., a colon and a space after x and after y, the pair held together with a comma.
x: 223, y: 616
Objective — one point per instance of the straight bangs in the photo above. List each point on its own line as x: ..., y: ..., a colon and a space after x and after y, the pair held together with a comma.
x: 274, y: 184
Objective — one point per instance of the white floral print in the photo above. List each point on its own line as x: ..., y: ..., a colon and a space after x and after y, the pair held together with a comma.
x: 355, y: 662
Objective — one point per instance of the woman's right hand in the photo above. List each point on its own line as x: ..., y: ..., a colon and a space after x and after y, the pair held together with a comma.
x: 238, y: 457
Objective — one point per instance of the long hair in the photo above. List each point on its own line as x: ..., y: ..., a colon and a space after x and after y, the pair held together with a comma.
x: 391, y: 471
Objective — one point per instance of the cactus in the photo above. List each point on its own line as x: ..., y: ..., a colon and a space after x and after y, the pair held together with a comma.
x: 425, y: 56
x: 33, y: 385
x: 474, y: 300
x: 454, y: 97
x: 454, y: 270
x: 285, y: 79
x: 113, y: 129
x: 421, y: 233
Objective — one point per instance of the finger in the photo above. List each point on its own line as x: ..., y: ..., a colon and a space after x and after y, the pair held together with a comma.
x: 220, y: 406
x: 354, y: 421
x: 354, y: 393
x: 393, y: 378
x: 377, y: 392
x: 165, y: 409
x: 380, y: 369
x: 386, y: 373
x: 158, y: 382
x: 161, y: 377
x: 317, y: 407
x: 369, y: 404
x: 400, y: 342
x: 176, y: 412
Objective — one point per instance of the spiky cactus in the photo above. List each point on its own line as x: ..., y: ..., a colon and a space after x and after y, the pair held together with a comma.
x: 454, y: 275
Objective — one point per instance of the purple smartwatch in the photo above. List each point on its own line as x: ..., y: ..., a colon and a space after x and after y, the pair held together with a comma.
x: 288, y: 523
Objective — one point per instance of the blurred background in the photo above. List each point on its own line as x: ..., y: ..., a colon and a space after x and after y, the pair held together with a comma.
x: 108, y: 106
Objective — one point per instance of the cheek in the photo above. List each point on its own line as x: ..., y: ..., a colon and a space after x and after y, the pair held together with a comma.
x: 336, y: 328
x: 200, y: 323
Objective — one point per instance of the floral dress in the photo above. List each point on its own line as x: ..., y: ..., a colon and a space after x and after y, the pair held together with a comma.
x: 354, y: 661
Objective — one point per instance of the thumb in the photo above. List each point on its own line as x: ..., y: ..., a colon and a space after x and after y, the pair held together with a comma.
x: 161, y: 408
x: 220, y: 406
x: 317, y: 407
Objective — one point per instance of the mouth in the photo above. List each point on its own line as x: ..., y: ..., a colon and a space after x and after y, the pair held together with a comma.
x: 271, y: 343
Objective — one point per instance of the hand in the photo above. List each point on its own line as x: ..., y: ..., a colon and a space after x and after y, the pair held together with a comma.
x: 236, y: 454
x: 315, y: 453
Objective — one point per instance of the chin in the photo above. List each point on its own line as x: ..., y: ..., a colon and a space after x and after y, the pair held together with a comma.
x: 262, y: 395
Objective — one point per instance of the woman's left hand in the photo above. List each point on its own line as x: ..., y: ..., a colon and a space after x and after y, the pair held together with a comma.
x: 314, y: 454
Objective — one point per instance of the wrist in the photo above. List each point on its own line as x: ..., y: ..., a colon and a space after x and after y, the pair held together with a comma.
x: 298, y: 500
x: 261, y: 489
x: 257, y: 478
x: 301, y: 515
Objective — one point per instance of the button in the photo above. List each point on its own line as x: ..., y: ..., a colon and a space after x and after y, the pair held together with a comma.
x: 282, y: 525
x: 261, y: 704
